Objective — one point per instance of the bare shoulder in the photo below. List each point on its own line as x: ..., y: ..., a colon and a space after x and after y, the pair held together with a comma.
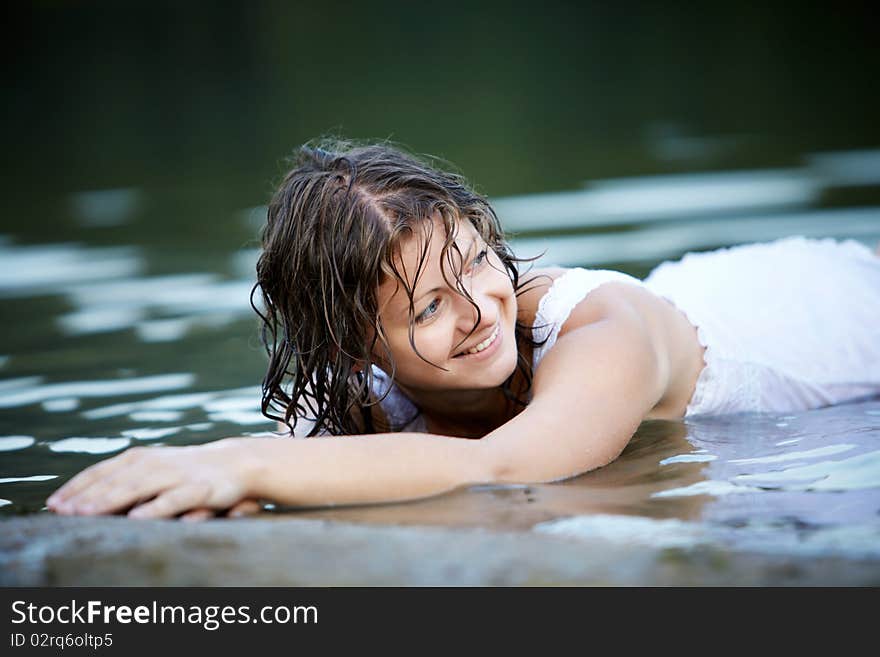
x: 645, y: 317
x: 620, y: 299
x: 612, y: 298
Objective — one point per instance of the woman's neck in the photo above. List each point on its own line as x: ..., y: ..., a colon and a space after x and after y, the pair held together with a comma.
x: 468, y: 413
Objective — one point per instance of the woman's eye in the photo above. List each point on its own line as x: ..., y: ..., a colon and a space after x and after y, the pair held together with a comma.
x: 427, y: 312
x: 479, y: 260
x: 476, y: 262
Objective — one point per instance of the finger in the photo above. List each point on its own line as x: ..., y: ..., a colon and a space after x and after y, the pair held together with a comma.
x: 198, y: 514
x: 83, y: 480
x: 173, y: 502
x: 104, y: 497
x: 121, y: 491
x: 245, y: 508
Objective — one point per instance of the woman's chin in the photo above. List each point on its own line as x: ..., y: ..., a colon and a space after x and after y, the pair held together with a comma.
x: 493, y: 374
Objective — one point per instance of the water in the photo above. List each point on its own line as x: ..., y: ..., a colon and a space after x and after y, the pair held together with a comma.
x: 741, y: 482
x: 143, y: 141
x: 115, y: 345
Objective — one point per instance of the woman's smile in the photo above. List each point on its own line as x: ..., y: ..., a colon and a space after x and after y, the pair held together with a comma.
x: 485, y: 349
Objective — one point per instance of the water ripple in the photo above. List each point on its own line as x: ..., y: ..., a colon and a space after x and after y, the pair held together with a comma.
x: 795, y: 456
x: 689, y: 458
x: 108, y: 388
x: 11, y: 480
x: 89, y: 445
x: 855, y: 473
x: 9, y: 443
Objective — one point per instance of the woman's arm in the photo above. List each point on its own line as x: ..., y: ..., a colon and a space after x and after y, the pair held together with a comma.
x: 332, y: 470
x: 606, y: 371
x: 609, y: 367
x: 386, y: 467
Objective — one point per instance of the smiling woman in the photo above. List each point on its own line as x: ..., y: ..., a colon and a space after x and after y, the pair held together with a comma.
x: 397, y: 322
x: 411, y: 272
x: 462, y: 341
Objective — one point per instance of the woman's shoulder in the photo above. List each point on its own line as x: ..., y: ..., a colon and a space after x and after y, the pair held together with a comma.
x: 563, y: 299
x: 540, y: 292
x: 533, y: 287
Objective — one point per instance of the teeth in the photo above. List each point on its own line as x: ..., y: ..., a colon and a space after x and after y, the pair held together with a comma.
x: 485, y: 343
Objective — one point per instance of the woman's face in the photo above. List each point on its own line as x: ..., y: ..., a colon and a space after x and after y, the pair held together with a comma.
x: 444, y: 319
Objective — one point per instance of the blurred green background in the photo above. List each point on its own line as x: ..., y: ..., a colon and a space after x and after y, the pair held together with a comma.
x: 211, y: 96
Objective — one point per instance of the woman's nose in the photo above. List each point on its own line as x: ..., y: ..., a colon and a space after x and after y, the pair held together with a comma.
x: 477, y: 315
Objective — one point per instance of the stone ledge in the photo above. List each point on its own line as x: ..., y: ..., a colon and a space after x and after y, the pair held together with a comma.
x: 47, y: 550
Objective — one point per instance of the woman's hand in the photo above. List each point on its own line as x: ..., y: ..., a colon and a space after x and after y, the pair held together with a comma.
x: 160, y: 482
x: 240, y: 510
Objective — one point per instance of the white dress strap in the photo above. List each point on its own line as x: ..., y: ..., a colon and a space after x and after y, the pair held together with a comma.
x: 402, y: 414
x: 564, y: 294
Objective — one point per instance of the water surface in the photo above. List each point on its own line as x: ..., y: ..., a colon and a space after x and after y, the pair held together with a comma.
x: 120, y: 339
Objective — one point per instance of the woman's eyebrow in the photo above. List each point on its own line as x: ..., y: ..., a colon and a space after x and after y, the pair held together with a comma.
x: 470, y: 247
x: 467, y: 252
x: 422, y: 296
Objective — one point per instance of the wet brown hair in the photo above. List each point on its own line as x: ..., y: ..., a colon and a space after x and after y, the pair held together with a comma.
x: 333, y: 228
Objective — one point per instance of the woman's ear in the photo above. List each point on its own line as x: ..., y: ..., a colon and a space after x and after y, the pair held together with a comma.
x: 358, y: 367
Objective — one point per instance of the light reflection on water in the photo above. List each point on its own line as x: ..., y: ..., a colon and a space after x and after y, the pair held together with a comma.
x: 115, y: 353
x: 9, y: 443
x: 30, y: 270
x: 32, y: 390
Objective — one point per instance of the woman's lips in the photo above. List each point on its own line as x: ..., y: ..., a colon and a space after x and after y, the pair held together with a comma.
x: 489, y: 350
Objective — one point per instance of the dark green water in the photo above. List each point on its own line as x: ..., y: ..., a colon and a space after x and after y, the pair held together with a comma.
x: 142, y: 143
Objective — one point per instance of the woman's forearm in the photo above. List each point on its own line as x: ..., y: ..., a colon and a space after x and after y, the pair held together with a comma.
x: 338, y: 470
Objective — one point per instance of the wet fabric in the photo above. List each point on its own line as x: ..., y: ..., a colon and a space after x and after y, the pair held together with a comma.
x: 787, y: 325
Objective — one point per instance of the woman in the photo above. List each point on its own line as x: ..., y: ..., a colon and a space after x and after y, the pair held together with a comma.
x: 397, y: 324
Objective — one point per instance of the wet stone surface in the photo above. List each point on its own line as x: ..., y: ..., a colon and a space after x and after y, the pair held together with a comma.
x: 741, y: 500
x: 44, y: 551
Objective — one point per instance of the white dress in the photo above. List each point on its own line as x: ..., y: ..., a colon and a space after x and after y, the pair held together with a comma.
x: 788, y: 325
